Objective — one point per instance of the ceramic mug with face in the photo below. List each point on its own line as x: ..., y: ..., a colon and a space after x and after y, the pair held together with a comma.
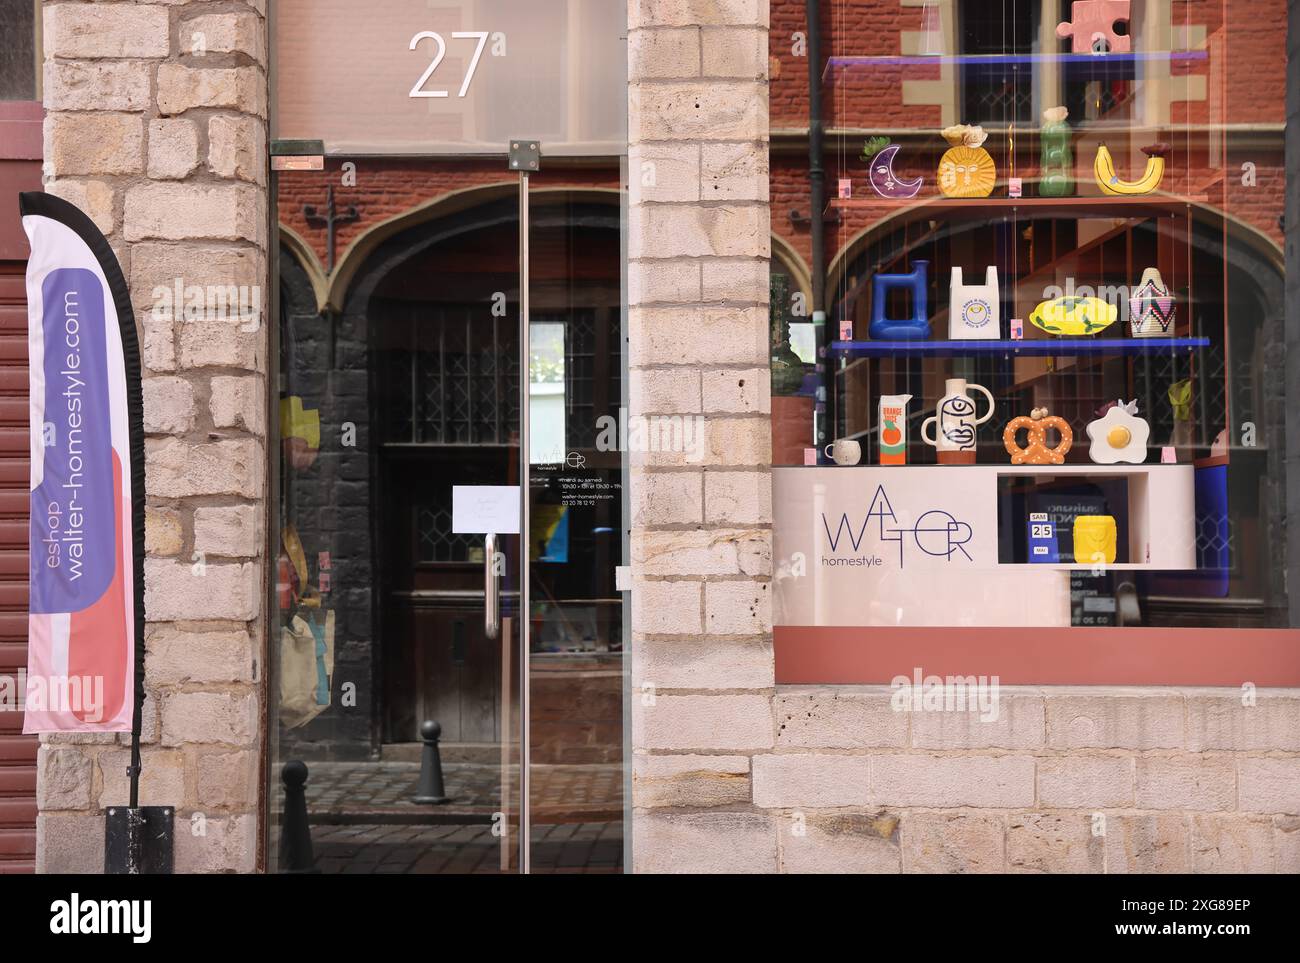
x: 844, y: 451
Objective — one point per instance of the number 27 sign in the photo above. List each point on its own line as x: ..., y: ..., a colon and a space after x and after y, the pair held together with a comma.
x: 480, y: 37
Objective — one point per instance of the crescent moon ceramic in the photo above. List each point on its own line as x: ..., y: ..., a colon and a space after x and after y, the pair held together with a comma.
x: 1119, y: 436
x: 883, y: 179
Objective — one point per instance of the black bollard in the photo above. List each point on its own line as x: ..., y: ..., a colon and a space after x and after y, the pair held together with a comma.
x: 295, y: 832
x: 430, y: 791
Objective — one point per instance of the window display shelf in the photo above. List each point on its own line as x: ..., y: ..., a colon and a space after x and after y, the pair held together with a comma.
x: 1086, y: 66
x: 1040, y: 347
x: 1137, y: 205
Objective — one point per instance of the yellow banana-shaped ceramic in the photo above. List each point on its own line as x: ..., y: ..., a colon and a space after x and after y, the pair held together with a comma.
x: 1103, y: 168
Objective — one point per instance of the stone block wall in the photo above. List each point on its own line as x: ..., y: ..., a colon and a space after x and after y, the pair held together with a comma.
x: 1088, y: 780
x: 699, y: 244
x: 156, y: 127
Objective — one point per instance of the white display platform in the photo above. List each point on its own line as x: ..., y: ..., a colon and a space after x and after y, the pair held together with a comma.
x: 917, y: 545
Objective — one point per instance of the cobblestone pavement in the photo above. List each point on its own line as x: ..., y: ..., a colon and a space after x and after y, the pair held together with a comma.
x: 363, y: 819
x: 557, y: 848
x: 354, y: 791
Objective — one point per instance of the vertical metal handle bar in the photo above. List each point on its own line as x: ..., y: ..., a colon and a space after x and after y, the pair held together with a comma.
x: 491, y: 589
x: 525, y: 538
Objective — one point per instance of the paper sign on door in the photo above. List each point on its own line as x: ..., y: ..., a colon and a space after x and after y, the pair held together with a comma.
x: 485, y: 509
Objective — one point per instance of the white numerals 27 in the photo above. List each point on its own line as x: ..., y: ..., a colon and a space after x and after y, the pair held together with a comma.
x: 480, y: 35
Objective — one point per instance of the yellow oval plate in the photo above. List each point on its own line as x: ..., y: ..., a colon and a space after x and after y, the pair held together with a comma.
x: 1073, y: 315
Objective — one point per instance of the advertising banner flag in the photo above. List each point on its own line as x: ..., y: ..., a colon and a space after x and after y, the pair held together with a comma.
x: 86, y: 566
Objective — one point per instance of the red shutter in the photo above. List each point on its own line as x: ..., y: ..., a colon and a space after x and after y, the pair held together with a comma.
x: 17, y: 752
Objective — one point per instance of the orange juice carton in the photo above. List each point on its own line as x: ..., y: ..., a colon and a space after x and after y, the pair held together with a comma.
x: 893, y: 429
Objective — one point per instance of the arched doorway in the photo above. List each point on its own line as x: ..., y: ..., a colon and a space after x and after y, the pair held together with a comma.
x: 440, y: 306
x: 405, y: 361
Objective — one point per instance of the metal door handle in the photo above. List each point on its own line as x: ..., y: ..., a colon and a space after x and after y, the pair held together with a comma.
x: 491, y: 589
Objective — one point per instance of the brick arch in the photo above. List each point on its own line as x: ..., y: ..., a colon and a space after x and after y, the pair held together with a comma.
x: 366, y: 243
x: 306, y: 258
x: 784, y: 254
x: 1263, y: 249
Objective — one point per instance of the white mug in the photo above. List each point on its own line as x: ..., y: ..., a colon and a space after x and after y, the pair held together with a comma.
x: 844, y: 451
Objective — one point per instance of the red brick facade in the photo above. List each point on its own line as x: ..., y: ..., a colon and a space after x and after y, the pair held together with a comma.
x: 386, y: 188
x: 871, y: 101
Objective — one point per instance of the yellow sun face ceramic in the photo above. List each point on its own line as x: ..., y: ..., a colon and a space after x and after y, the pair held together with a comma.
x: 967, y: 172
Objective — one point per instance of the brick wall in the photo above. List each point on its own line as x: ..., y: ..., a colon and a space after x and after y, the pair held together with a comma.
x: 156, y: 126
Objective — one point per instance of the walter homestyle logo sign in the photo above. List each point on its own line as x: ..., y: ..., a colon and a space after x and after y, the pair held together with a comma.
x: 75, y: 916
x: 935, y: 533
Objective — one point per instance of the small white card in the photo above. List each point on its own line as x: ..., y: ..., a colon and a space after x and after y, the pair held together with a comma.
x: 485, y: 509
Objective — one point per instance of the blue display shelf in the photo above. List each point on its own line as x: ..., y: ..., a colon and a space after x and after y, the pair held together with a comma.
x: 1115, y: 65
x: 1041, y: 347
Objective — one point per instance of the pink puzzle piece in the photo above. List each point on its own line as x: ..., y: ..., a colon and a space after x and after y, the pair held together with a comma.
x: 1093, y: 26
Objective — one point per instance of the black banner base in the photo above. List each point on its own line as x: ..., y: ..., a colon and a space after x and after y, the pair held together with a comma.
x: 139, y: 841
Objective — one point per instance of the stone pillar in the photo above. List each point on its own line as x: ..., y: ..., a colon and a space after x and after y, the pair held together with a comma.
x: 156, y: 127
x: 699, y: 245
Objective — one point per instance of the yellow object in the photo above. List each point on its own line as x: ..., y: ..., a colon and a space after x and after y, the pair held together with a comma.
x: 299, y: 422
x: 1119, y: 437
x: 1103, y: 169
x: 1072, y: 315
x: 1180, y: 396
x: 966, y: 170
x: 1095, y: 539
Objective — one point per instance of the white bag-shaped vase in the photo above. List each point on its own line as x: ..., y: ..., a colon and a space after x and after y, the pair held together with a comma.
x: 973, y: 308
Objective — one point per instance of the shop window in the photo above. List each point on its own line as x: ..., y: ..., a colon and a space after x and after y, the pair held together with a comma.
x: 1050, y: 392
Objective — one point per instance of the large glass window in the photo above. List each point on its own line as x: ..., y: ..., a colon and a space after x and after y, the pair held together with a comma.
x: 448, y: 329
x: 1050, y: 387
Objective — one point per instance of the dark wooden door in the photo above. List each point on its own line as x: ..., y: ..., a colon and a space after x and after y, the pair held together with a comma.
x: 438, y: 662
x: 447, y: 403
